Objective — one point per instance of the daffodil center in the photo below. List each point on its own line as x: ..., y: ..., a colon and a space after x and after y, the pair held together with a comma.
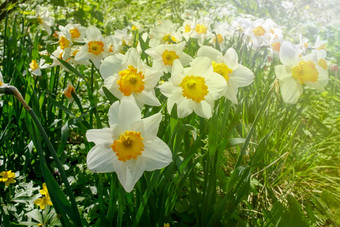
x: 305, y: 71
x: 130, y: 81
x: 201, y: 29
x: 219, y: 38
x: 169, y: 57
x: 75, y: 33
x: 259, y: 31
x: 34, y: 65
x: 96, y: 47
x: 129, y: 145
x: 187, y: 28
x: 68, y: 91
x: 276, y: 46
x: 1, y: 83
x: 64, y: 42
x: 194, y: 87
x: 322, y: 63
x: 222, y: 69
x: 169, y: 39
x: 40, y: 21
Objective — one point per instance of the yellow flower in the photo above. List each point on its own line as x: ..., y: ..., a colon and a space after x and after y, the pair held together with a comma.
x: 7, y: 177
x: 42, y: 202
x: 45, y: 200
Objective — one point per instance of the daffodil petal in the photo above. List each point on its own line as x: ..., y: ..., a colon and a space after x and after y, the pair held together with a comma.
x: 129, y: 172
x: 101, y: 158
x: 288, y: 53
x: 111, y: 65
x: 99, y: 136
x: 290, y: 90
x: 156, y: 154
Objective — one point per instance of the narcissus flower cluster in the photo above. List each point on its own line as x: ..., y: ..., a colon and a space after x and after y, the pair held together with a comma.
x: 141, y: 67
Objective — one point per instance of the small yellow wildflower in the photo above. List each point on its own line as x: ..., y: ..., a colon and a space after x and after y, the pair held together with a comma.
x: 7, y: 177
x: 45, y: 200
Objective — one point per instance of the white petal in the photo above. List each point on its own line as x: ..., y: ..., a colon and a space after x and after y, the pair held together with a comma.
x: 132, y: 58
x: 231, y: 58
x: 202, y: 109
x: 156, y: 154
x: 111, y: 65
x: 288, y: 53
x: 200, y: 66
x: 243, y: 76
x: 207, y: 51
x: 166, y: 88
x: 177, y: 71
x: 183, y: 109
x: 127, y: 113
x: 101, y: 158
x: 129, y: 172
x: 290, y: 90
x: 282, y: 73
x: 151, y: 124
x: 185, y: 59
x: 231, y: 92
x: 93, y: 33
x: 100, y: 136
x: 147, y: 97
x: 82, y: 54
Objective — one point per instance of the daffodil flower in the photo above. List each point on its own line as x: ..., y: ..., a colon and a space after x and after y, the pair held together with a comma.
x: 44, y: 19
x: 202, y: 30
x: 94, y: 49
x: 76, y: 32
x: 68, y: 91
x: 227, y: 66
x: 187, y: 29
x: 298, y: 71
x: 165, y: 54
x: 35, y: 68
x: 164, y: 33
x: 193, y: 89
x: 7, y: 177
x: 1, y: 80
x: 128, y: 75
x: 130, y: 146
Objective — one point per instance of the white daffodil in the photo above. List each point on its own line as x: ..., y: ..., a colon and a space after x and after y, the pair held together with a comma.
x: 44, y: 19
x: 194, y: 88
x: 164, y: 33
x: 297, y: 71
x: 35, y: 68
x: 187, y: 29
x: 130, y: 146
x: 259, y: 33
x: 128, y: 75
x: 122, y: 38
x: 202, y: 30
x: 95, y: 47
x: 221, y: 31
x: 65, y: 43
x: 235, y: 74
x: 165, y: 54
x: 76, y: 32
x: 2, y: 80
x: 68, y: 91
x: 113, y: 45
